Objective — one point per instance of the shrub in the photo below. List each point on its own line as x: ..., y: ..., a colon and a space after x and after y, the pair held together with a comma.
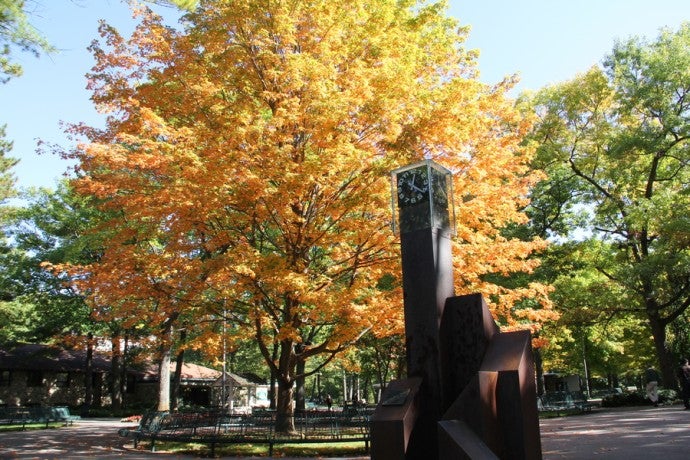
x: 667, y: 396
x: 624, y: 399
x: 637, y: 398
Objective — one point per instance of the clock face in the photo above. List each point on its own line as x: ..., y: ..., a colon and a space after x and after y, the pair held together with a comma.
x: 413, y: 186
x: 424, y: 198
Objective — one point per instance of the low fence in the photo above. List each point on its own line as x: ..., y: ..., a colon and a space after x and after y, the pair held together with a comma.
x: 215, y: 428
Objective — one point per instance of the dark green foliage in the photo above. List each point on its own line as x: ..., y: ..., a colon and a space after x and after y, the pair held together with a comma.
x: 615, y: 144
x: 624, y: 399
x: 17, y: 32
x: 638, y: 398
x: 39, y: 303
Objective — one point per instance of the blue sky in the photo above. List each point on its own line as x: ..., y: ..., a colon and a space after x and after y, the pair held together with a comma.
x: 543, y: 41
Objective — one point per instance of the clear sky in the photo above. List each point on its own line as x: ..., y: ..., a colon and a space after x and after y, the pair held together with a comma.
x: 543, y: 41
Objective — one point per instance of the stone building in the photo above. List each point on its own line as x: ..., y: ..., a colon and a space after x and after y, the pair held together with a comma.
x: 36, y: 374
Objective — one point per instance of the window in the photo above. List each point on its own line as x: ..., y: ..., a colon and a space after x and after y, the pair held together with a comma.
x: 34, y: 379
x: 62, y: 379
x: 5, y: 378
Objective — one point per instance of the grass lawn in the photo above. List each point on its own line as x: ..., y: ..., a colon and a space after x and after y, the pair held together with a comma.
x: 30, y: 426
x: 339, y: 449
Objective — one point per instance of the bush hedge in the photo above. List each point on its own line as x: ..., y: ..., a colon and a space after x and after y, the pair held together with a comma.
x: 637, y: 398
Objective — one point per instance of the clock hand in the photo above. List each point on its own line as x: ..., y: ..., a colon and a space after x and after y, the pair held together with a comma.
x: 410, y: 183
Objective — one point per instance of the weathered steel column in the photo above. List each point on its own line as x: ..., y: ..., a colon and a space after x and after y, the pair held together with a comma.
x: 412, y: 408
x: 427, y: 283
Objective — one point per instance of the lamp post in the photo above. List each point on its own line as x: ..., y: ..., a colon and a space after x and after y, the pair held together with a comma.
x: 223, y: 396
x: 584, y: 362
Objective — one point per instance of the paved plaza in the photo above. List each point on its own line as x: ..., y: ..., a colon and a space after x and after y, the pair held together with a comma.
x: 620, y: 434
x: 642, y: 433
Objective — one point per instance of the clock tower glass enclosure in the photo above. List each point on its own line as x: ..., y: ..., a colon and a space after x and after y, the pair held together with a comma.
x: 422, y: 194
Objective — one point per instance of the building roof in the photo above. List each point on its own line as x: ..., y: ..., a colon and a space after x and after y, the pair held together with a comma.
x: 199, y: 374
x: 190, y: 371
x: 49, y: 358
x: 40, y: 357
x: 234, y: 380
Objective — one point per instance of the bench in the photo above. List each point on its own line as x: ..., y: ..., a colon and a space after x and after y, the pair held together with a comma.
x: 25, y: 415
x: 565, y: 400
x: 148, y: 427
x: 62, y: 414
x: 14, y: 416
x: 214, y: 428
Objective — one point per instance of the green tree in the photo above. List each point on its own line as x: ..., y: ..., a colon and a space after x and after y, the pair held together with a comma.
x: 618, y: 136
x: 17, y: 32
x: 595, y: 325
x: 182, y: 4
x: 10, y: 312
x: 8, y: 181
x: 49, y: 230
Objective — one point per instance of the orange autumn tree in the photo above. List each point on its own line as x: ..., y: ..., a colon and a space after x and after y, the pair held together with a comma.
x: 245, y: 161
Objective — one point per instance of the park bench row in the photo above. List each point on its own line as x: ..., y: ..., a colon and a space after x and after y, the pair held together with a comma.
x: 25, y: 415
x: 215, y: 428
x: 565, y: 400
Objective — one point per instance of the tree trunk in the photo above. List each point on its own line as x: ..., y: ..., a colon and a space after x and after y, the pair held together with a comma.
x: 366, y: 386
x: 123, y: 374
x: 539, y: 366
x: 88, y: 376
x: 164, y: 370
x: 177, y: 378
x: 179, y: 361
x: 356, y: 390
x: 612, y: 380
x: 97, y: 389
x: 272, y: 396
x: 663, y: 354
x: 116, y: 375
x: 285, y: 412
x: 300, y: 399
x: 402, y: 367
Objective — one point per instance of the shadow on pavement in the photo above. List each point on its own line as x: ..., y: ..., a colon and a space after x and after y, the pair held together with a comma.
x: 642, y: 433
x: 621, y: 433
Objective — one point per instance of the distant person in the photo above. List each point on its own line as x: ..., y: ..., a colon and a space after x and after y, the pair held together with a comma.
x: 329, y: 401
x: 684, y: 377
x: 652, y: 378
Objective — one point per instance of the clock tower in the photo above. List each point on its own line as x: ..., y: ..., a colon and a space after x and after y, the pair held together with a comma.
x: 470, y: 390
x: 424, y: 217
